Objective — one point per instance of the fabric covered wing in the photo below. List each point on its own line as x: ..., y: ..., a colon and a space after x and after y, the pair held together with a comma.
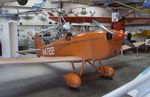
x: 27, y: 51
x: 4, y: 61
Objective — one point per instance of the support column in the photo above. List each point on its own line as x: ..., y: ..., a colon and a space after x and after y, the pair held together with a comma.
x: 13, y: 39
x: 5, y: 40
x: 9, y: 39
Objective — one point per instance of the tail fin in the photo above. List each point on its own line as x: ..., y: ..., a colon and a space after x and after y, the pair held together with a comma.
x: 38, y: 44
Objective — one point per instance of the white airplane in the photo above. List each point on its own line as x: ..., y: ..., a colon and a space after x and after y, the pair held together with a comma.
x: 138, y: 87
x: 20, y: 2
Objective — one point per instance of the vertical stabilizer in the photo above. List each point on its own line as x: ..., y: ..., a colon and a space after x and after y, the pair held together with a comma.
x: 38, y: 44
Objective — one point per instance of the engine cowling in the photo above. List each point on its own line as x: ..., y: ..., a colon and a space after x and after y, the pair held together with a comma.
x: 118, y: 35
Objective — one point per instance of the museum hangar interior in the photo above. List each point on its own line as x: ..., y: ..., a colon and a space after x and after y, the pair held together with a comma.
x: 74, y: 48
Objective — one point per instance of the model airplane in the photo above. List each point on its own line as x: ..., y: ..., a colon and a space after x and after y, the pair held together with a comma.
x: 86, y: 48
x: 38, y: 6
x: 13, y: 16
x: 10, y: 16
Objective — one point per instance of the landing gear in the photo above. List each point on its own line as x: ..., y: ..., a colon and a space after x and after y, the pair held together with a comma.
x: 22, y: 2
x: 106, y: 71
x: 74, y: 80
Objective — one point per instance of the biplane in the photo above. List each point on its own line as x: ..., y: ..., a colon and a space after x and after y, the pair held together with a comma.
x: 86, y: 48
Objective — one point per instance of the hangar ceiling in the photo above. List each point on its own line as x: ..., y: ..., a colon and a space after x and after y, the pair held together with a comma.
x: 108, y: 3
x: 105, y: 1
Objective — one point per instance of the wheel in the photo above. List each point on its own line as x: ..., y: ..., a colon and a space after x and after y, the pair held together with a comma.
x: 22, y: 2
x: 73, y: 80
x: 106, y: 71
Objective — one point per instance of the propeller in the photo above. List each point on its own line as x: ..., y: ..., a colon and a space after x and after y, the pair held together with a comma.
x: 124, y: 40
x: 103, y: 27
x: 127, y: 42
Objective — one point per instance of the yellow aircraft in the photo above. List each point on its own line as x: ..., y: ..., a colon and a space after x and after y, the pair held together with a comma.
x: 86, y: 48
x: 145, y: 33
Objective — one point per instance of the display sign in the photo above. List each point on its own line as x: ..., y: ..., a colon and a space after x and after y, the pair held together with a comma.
x: 147, y: 42
x: 115, y: 17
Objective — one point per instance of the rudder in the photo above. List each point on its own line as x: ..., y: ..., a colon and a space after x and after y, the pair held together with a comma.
x: 38, y: 44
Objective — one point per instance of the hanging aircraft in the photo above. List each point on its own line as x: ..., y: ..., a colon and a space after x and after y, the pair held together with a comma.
x: 38, y: 6
x: 141, y: 6
x: 15, y: 16
x: 61, y: 16
x: 35, y: 9
x: 87, y: 48
x: 9, y: 16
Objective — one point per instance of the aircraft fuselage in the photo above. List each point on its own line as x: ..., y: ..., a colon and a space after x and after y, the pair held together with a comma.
x: 91, y: 45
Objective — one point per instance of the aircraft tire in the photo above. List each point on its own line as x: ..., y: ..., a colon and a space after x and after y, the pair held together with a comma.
x: 73, y: 80
x: 22, y: 2
x: 106, y: 71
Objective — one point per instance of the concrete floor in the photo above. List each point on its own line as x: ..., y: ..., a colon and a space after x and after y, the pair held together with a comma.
x: 45, y: 80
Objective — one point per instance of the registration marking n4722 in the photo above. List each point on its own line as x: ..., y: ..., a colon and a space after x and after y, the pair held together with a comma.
x: 48, y: 51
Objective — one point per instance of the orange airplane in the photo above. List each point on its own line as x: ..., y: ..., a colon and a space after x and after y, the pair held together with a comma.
x: 86, y: 48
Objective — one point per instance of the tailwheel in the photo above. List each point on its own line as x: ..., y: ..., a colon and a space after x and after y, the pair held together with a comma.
x: 106, y: 71
x: 73, y: 80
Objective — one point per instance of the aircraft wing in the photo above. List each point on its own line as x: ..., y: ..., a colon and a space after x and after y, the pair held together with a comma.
x: 5, y: 61
x: 137, y: 44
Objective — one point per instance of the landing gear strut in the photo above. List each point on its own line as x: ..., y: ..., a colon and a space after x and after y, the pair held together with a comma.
x: 105, y: 71
x: 73, y: 79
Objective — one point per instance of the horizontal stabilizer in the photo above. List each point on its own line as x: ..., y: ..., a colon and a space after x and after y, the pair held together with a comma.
x: 27, y: 51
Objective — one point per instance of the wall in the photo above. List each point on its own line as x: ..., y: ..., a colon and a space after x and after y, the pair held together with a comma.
x: 137, y: 27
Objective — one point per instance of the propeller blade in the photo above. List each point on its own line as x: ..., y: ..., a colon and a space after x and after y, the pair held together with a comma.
x: 103, y: 27
x: 127, y: 42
